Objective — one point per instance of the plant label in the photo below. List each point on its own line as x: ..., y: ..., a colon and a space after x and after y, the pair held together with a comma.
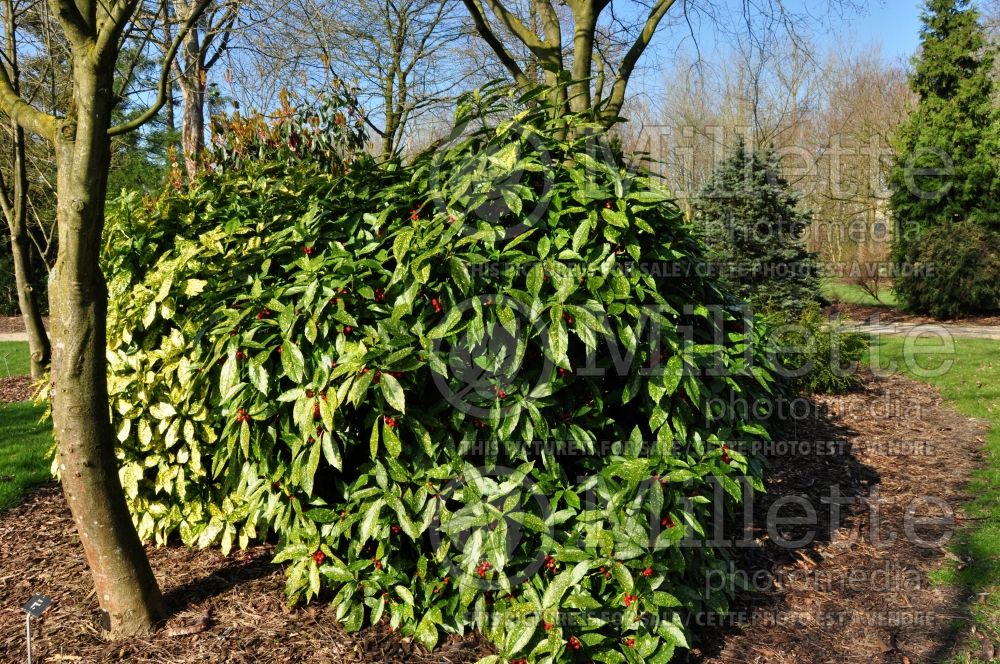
x: 36, y: 605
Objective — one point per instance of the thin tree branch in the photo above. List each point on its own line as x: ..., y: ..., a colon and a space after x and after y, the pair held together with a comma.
x: 617, y: 96
x: 498, y: 48
x: 164, y: 87
x: 22, y: 112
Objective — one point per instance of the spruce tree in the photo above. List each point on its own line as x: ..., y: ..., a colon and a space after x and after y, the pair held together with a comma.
x: 749, y: 218
x: 947, y: 153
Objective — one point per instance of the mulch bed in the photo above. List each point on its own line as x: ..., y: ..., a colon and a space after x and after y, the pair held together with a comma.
x: 238, y: 604
x: 863, y: 313
x: 14, y: 324
x: 16, y: 388
x: 852, y: 595
x: 841, y: 598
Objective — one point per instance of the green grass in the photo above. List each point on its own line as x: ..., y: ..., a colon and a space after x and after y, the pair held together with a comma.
x: 971, y: 385
x: 14, y: 358
x: 840, y: 291
x: 24, y: 446
x: 24, y: 442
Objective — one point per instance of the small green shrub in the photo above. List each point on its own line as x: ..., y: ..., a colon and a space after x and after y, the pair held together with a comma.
x: 951, y: 270
x: 447, y: 388
x: 816, y: 355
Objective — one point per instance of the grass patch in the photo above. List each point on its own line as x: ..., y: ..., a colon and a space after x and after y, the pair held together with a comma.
x: 847, y: 293
x: 24, y: 442
x: 969, y: 378
x: 14, y: 359
x: 24, y: 447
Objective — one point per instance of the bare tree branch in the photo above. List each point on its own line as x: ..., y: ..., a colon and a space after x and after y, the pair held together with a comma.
x: 164, y: 87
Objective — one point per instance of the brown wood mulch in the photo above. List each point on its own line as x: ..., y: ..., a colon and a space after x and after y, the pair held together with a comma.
x: 860, y: 591
x: 235, y: 605
x: 16, y: 388
x: 864, y: 313
x: 844, y: 597
x: 13, y: 324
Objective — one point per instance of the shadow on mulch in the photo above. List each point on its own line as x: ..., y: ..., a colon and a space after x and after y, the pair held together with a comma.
x: 856, y: 588
x: 855, y: 591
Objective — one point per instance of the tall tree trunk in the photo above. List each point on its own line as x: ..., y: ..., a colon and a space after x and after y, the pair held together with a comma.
x: 126, y: 588
x: 192, y: 120
x: 27, y: 296
x: 16, y: 210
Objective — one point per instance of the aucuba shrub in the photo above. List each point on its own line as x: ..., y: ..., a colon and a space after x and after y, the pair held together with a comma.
x: 465, y: 393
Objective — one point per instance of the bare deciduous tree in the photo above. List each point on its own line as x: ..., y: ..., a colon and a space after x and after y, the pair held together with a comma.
x: 14, y: 202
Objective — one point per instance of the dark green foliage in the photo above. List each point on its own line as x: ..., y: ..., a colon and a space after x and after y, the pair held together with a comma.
x: 948, y: 150
x: 409, y: 374
x: 953, y: 269
x: 749, y: 217
x: 816, y: 355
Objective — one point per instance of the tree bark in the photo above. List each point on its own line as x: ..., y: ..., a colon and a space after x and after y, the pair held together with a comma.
x: 126, y: 588
x: 27, y: 296
x: 192, y: 118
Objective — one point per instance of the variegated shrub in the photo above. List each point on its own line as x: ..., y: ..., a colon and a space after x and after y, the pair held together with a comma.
x: 468, y: 392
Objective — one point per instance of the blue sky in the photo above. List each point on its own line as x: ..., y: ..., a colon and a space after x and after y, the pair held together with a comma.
x: 893, y: 26
x: 893, y: 23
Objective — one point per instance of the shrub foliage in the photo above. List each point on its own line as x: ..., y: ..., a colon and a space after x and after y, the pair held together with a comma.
x: 952, y: 269
x: 816, y: 354
x: 442, y: 388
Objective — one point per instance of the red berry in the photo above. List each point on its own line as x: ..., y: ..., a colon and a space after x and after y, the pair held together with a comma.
x: 629, y: 599
x: 390, y: 421
x: 308, y: 251
x: 648, y: 571
x: 630, y: 643
x: 348, y: 329
x: 546, y: 625
x: 574, y: 643
x: 319, y: 557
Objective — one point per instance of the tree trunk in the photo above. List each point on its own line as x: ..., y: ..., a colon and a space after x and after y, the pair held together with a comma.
x: 126, y: 588
x: 192, y: 118
x: 16, y: 210
x: 27, y: 297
